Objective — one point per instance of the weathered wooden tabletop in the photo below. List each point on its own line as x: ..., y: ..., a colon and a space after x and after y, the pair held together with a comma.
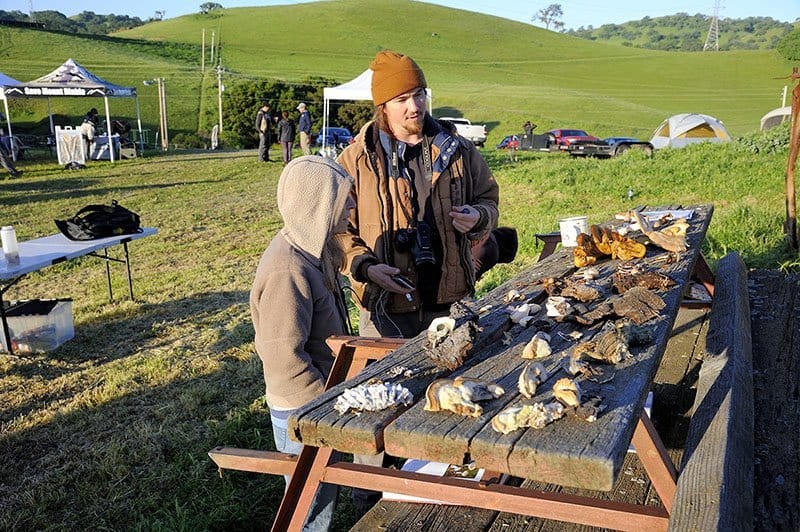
x: 570, y: 451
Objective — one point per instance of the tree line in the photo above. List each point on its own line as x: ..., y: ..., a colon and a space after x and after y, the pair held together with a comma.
x: 687, y: 33
x: 87, y: 22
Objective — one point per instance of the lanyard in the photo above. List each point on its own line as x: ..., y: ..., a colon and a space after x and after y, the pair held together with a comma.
x: 395, y: 172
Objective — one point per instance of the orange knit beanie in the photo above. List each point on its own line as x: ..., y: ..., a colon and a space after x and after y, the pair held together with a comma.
x: 394, y: 74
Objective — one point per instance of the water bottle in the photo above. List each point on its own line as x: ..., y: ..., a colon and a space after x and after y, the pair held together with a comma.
x: 10, y: 247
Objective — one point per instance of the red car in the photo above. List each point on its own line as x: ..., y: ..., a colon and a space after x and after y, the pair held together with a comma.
x: 564, y: 137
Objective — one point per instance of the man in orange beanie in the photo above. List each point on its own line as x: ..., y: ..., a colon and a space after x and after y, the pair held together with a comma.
x: 423, y: 196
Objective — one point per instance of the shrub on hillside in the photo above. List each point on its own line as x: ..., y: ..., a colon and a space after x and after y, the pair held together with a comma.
x: 789, y: 47
x: 243, y: 99
x: 769, y: 141
x: 189, y: 140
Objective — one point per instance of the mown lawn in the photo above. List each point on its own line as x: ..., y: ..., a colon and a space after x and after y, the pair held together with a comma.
x: 111, y: 430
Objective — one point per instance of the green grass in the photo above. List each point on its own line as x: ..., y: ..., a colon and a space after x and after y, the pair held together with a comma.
x: 489, y: 69
x: 111, y: 430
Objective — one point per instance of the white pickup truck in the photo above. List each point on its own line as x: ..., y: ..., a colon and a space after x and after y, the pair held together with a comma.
x: 474, y: 132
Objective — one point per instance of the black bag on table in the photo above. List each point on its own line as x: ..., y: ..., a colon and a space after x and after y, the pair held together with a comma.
x: 100, y: 221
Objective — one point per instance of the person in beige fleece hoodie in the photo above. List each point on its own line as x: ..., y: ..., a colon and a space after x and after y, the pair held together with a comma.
x: 296, y: 301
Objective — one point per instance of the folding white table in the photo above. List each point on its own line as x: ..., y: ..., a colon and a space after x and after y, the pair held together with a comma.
x: 42, y: 252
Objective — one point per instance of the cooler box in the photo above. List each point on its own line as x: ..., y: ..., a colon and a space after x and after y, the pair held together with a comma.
x: 38, y: 325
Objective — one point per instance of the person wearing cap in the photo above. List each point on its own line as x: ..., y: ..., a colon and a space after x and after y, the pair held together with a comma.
x: 296, y: 301
x: 88, y: 129
x: 423, y: 196
x: 304, y: 128
x: 264, y: 127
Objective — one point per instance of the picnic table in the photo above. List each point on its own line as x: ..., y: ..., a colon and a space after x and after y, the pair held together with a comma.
x: 39, y: 253
x: 570, y: 452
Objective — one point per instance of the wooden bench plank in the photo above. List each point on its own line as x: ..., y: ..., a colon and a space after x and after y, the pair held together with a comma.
x: 715, y: 488
x: 393, y: 516
x: 559, y: 453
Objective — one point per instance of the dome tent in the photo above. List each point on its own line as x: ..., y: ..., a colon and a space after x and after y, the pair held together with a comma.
x: 689, y: 128
x: 776, y: 117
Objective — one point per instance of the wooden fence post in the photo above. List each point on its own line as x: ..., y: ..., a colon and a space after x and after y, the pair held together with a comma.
x: 790, y: 227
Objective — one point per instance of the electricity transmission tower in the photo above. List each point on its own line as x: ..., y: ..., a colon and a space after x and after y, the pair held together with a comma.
x: 30, y: 11
x: 712, y: 39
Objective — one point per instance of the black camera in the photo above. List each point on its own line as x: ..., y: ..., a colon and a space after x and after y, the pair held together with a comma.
x: 422, y: 247
x: 403, y: 239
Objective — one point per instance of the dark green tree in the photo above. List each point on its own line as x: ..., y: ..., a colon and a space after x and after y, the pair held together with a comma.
x: 550, y: 16
x: 789, y: 47
x: 207, y: 7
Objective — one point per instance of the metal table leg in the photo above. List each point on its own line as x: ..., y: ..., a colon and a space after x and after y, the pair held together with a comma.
x: 4, y: 317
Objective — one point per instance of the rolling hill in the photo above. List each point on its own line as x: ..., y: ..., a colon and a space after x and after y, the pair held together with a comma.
x: 486, y: 68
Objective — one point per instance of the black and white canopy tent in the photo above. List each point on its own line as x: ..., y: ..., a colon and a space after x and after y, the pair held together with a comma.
x: 74, y: 81
x: 7, y: 81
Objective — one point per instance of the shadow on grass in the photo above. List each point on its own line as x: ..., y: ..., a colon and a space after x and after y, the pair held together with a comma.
x: 75, y: 189
x: 140, y: 459
x: 128, y: 330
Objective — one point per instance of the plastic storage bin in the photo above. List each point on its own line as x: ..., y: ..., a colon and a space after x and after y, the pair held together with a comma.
x: 38, y: 325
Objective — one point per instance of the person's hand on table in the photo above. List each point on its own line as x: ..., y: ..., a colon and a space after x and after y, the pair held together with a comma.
x: 464, y: 217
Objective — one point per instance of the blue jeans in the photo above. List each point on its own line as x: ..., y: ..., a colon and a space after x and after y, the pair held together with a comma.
x: 321, y: 514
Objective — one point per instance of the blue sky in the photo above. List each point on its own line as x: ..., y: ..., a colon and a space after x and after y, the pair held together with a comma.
x: 576, y: 12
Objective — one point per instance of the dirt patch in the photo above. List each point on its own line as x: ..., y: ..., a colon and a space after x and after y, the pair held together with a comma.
x: 775, y: 314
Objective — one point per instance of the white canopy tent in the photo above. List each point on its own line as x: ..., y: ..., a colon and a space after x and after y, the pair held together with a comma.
x: 358, y: 88
x: 8, y: 81
x: 73, y: 80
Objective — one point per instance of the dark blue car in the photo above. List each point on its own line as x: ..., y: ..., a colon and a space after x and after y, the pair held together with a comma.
x: 335, y: 136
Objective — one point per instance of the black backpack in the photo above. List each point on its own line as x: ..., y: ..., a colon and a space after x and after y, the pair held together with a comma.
x: 100, y: 221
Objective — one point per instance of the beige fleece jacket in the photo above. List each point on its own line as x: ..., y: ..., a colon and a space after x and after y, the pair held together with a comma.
x: 292, y: 309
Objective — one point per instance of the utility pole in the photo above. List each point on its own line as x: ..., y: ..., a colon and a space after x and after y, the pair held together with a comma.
x: 162, y: 111
x: 203, y: 53
x: 212, y: 47
x: 712, y: 39
x: 220, y: 88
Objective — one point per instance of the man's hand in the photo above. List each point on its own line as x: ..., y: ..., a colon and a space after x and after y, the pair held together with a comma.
x: 381, y: 275
x: 464, y: 217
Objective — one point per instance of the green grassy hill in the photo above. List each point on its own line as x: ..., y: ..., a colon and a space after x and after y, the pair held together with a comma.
x: 491, y: 69
x: 488, y: 69
x: 28, y: 54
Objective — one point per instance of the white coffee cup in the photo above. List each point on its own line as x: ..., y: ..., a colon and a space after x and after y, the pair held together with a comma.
x: 571, y: 228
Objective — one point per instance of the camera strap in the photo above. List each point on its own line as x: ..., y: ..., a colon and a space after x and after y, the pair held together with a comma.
x: 396, y: 173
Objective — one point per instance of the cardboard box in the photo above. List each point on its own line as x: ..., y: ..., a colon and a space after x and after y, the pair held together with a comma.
x: 38, y: 325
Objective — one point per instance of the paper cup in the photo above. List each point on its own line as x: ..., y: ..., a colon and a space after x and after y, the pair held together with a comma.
x: 571, y: 228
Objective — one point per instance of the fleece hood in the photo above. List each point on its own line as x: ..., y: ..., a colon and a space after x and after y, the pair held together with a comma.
x: 312, y: 192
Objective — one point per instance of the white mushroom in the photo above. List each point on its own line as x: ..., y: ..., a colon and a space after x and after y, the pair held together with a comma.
x: 439, y: 329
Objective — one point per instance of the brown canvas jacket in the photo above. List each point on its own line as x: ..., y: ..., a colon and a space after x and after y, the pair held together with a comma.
x: 460, y: 177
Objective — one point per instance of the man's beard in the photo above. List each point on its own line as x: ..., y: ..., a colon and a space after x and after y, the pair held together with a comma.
x: 413, y: 127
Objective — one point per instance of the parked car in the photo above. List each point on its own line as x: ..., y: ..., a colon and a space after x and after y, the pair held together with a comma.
x: 474, y: 132
x: 609, y: 147
x: 564, y: 137
x: 335, y: 136
x: 504, y: 143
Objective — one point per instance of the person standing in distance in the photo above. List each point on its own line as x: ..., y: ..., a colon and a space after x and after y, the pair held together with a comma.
x: 264, y: 128
x: 304, y: 128
x: 286, y: 136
